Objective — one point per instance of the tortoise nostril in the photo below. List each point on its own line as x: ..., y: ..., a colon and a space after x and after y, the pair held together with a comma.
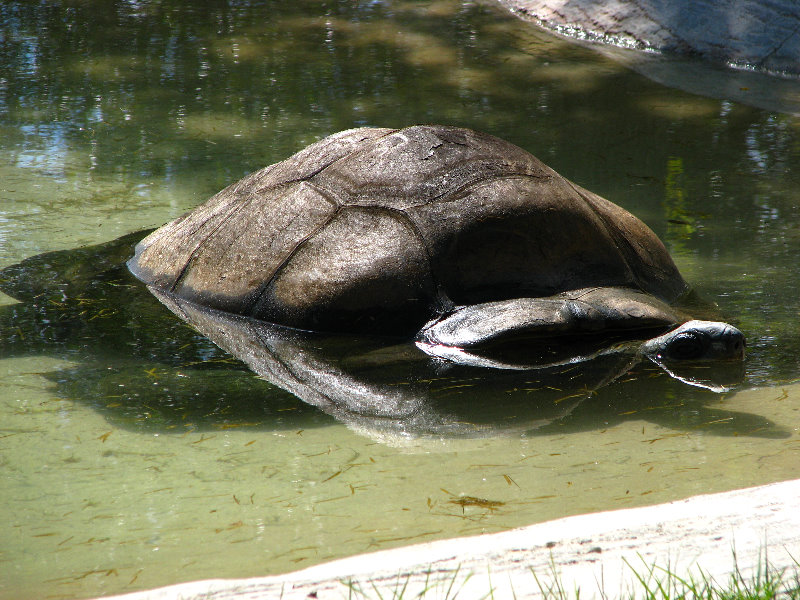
x: 738, y: 345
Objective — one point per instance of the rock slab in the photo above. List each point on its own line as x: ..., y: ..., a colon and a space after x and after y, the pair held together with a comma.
x: 755, y: 34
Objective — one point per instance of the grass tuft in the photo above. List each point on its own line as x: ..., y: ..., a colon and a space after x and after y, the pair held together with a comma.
x: 767, y: 583
x: 652, y: 582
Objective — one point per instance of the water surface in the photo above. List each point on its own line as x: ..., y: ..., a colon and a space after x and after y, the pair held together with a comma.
x: 135, y: 453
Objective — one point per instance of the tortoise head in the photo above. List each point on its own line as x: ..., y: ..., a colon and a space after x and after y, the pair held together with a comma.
x: 697, y: 340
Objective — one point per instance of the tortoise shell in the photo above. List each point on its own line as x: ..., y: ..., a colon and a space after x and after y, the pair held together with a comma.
x: 380, y: 230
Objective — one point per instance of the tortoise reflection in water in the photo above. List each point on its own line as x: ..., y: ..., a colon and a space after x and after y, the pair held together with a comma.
x: 82, y: 305
x: 462, y: 240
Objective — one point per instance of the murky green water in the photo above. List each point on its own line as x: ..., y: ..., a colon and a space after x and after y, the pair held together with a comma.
x: 134, y: 453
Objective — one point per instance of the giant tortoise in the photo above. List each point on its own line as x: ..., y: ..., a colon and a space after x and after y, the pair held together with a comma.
x: 456, y: 237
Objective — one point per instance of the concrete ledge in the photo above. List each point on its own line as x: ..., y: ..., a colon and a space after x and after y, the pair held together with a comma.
x: 761, y: 34
x: 663, y: 41
x: 592, y: 552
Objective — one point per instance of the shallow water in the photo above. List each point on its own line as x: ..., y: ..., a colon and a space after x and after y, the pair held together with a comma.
x: 135, y: 453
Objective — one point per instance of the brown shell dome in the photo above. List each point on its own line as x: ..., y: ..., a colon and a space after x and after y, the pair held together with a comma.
x: 379, y: 230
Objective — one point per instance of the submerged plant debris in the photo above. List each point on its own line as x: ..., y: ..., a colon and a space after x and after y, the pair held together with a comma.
x: 128, y: 438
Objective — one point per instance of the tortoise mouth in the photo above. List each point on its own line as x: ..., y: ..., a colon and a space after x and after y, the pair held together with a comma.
x: 733, y: 346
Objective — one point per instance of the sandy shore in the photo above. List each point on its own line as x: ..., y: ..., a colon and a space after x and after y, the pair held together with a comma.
x: 600, y: 553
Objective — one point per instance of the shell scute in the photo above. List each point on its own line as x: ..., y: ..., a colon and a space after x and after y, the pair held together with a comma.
x: 417, y: 165
x: 237, y: 257
x: 365, y: 264
x: 376, y: 230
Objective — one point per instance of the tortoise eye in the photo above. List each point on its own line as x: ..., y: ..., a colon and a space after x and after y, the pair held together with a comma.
x: 686, y: 346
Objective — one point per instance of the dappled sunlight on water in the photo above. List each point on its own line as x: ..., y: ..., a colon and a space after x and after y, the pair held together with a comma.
x: 136, y: 453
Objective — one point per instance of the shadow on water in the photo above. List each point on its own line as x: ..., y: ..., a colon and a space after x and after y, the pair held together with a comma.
x: 133, y: 361
x: 146, y: 370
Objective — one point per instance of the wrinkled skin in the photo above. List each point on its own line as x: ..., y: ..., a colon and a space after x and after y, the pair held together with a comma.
x: 605, y: 312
